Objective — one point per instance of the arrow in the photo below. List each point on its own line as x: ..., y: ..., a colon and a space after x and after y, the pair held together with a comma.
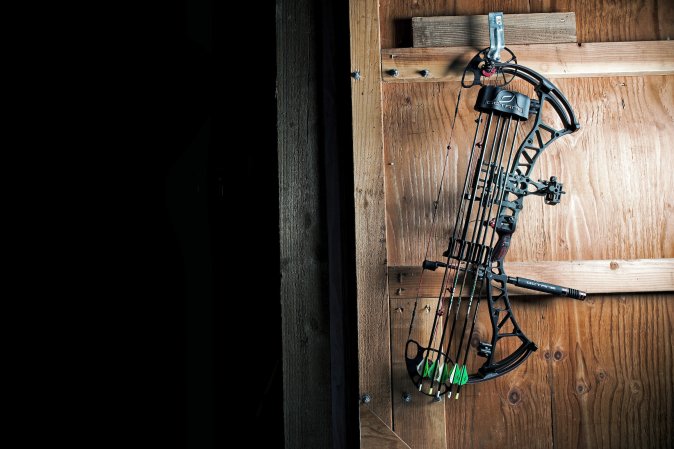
x: 461, y: 379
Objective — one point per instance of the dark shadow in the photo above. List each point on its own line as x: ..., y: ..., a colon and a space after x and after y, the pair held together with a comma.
x: 402, y: 33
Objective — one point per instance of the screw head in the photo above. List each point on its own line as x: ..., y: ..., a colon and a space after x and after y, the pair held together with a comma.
x: 366, y: 398
x: 407, y: 397
x: 356, y: 75
x: 394, y: 72
x: 425, y: 73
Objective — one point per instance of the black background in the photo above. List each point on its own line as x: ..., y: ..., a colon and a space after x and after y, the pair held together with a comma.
x: 200, y: 224
x: 196, y: 222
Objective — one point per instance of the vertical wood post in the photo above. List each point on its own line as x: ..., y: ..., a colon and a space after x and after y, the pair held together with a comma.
x: 305, y: 324
x: 374, y: 360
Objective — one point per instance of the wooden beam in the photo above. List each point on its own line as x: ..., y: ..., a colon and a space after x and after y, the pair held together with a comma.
x: 375, y: 434
x: 597, y: 59
x: 457, y: 31
x: 592, y: 276
x: 374, y: 361
x: 304, y: 319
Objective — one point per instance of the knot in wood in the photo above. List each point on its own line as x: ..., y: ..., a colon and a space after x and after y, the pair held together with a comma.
x: 514, y: 397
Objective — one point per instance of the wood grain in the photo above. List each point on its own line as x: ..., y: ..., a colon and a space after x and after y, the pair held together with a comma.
x: 421, y: 421
x: 591, y: 276
x: 611, y: 372
x: 616, y: 170
x: 305, y: 324
x: 613, y: 170
x: 514, y: 409
x: 602, y: 59
x: 596, y: 20
x: 375, y: 434
x: 369, y: 198
x: 473, y: 31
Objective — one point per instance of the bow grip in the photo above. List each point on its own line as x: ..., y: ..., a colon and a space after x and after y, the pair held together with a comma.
x: 504, y: 227
x: 502, y: 246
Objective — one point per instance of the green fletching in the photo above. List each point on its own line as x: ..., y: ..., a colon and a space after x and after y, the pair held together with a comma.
x: 428, y: 371
x: 462, y: 376
x: 445, y: 375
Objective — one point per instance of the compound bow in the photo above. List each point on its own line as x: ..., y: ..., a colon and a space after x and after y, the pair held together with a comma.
x: 498, y: 177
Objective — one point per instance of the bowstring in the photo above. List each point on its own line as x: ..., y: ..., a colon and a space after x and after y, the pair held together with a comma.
x: 431, y: 231
x: 501, y: 201
x: 470, y: 245
x: 457, y: 268
x: 480, y: 238
x: 468, y: 180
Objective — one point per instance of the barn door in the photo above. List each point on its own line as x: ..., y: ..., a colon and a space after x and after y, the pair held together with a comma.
x: 602, y: 374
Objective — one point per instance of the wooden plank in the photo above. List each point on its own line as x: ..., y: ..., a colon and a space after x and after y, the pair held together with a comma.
x: 370, y: 222
x: 600, y: 59
x: 375, y: 434
x: 305, y: 324
x: 416, y: 421
x: 596, y: 21
x: 473, y: 31
x: 515, y: 407
x: 614, y: 171
x: 592, y: 276
x: 611, y: 371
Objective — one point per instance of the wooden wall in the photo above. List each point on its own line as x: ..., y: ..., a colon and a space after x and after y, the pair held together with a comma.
x: 602, y: 377
x: 596, y: 20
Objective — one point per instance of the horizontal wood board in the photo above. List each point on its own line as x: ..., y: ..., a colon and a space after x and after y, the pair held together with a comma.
x: 596, y: 20
x: 591, y: 276
x: 456, y: 31
x: 602, y: 59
